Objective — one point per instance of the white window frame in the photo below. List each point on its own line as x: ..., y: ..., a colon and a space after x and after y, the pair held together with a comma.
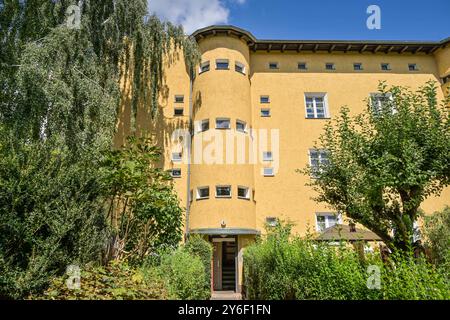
x: 198, y: 196
x: 200, y: 125
x: 337, y: 217
x: 271, y: 173
x: 243, y: 123
x: 302, y: 63
x: 224, y: 186
x: 277, y: 65
x: 314, y: 96
x: 175, y: 109
x: 358, y: 64
x: 388, y: 66
x: 202, y: 65
x: 175, y: 176
x: 320, y: 152
x: 267, y: 156
x: 223, y: 119
x: 221, y: 61
x: 178, y: 158
x: 247, y: 192
x: 179, y: 96
x: 240, y: 65
x: 265, y: 116
x: 333, y: 66
x: 377, y: 95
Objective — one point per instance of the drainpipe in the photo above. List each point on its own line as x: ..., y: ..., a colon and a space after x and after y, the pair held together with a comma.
x: 188, y: 182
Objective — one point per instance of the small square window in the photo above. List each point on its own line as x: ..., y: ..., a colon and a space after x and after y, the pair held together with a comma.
x: 329, y: 66
x: 179, y: 98
x: 302, y: 66
x: 178, y: 111
x: 241, y: 126
x: 357, y: 66
x: 223, y: 191
x: 222, y: 64
x: 267, y: 156
x: 175, y: 173
x: 264, y: 99
x: 177, y: 156
x: 223, y: 123
x: 271, y: 221
x: 385, y: 66
x: 243, y: 192
x: 202, y: 193
x: 273, y: 65
x: 268, y: 172
x: 203, y: 125
x: 265, y: 112
x: 239, y: 67
x: 412, y: 67
x: 327, y: 220
x: 204, y: 67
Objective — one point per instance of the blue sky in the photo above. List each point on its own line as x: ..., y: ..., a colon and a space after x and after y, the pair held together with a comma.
x: 313, y: 19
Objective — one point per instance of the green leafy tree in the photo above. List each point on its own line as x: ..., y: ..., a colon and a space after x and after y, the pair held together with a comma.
x: 144, y: 210
x: 385, y: 162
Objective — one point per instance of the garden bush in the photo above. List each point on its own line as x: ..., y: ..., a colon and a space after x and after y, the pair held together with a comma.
x: 117, y: 281
x: 280, y: 268
x: 201, y: 248
x: 184, y: 275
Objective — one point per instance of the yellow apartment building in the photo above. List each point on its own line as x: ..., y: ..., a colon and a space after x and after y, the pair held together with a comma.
x: 235, y: 132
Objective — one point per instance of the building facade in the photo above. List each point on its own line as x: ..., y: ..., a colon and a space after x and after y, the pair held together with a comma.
x: 235, y: 133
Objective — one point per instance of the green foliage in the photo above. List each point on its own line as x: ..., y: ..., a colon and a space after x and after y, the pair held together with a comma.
x: 197, y: 246
x: 384, y: 163
x: 281, y: 268
x: 51, y: 213
x: 144, y: 210
x: 184, y: 275
x: 437, y: 233
x: 117, y: 281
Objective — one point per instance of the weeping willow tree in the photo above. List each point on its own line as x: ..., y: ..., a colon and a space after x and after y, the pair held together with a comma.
x: 60, y: 66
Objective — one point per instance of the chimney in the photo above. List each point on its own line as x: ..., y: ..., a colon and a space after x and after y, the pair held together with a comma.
x: 352, y: 227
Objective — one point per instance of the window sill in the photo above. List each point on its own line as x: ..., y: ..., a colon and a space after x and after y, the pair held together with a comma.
x: 205, y: 198
x: 326, y: 118
x: 244, y: 198
x: 223, y: 197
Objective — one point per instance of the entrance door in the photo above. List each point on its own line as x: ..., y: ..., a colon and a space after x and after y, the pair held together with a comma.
x: 224, y: 264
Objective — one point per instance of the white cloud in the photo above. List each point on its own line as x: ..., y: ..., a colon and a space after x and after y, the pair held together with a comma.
x: 192, y: 14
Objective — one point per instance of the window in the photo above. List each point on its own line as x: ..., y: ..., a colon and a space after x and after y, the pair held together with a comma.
x: 223, y: 191
x: 412, y: 67
x: 178, y: 111
x: 302, y: 66
x: 175, y: 173
x: 239, y: 67
x: 191, y: 195
x: 241, y: 126
x: 176, y: 156
x: 179, y: 98
x: 316, y: 106
x: 203, y: 125
x: 317, y: 159
x: 222, y: 64
x: 273, y: 65
x: 202, y: 193
x: 204, y: 66
x: 329, y: 66
x: 264, y: 99
x: 267, y: 156
x: 243, y: 192
x: 378, y: 101
x: 222, y: 123
x: 385, y: 66
x: 268, y: 172
x: 357, y: 66
x: 326, y: 220
x: 271, y: 221
x: 265, y: 112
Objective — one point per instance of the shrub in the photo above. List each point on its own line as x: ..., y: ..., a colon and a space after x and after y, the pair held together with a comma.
x: 201, y: 248
x: 437, y: 233
x: 184, y: 275
x: 117, y: 281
